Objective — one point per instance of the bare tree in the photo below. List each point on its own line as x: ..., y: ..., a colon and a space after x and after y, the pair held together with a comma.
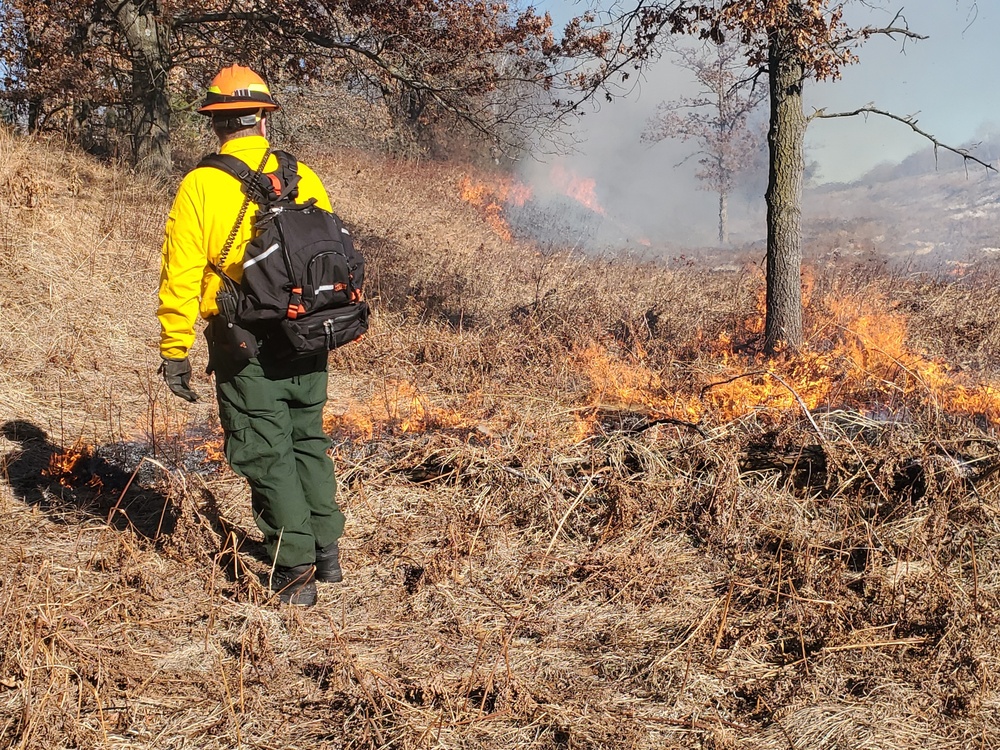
x: 717, y: 119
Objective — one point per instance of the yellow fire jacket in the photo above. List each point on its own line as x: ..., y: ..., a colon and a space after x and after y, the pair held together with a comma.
x: 203, y: 214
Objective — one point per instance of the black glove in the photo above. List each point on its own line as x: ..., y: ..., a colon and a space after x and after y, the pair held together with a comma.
x: 177, y: 374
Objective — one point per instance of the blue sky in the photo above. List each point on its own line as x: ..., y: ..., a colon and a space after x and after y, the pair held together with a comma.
x: 948, y: 80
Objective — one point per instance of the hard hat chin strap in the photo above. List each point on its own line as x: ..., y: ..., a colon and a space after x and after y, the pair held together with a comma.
x: 238, y: 123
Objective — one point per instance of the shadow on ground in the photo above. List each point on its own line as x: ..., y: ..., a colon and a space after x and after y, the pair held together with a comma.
x: 74, y: 484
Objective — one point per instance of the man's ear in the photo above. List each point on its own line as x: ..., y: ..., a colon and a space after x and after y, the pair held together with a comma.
x: 263, y: 126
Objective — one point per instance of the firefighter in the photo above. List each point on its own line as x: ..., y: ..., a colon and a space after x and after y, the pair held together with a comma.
x: 271, y: 408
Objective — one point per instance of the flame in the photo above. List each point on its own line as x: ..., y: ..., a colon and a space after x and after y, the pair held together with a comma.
x: 874, y: 346
x: 492, y: 196
x: 581, y: 189
x: 855, y: 356
x: 211, y: 449
x: 627, y: 384
x: 175, y: 429
x: 70, y: 468
x: 399, y: 405
x: 491, y: 199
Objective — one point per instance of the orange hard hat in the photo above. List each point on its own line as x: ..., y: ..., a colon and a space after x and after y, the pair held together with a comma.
x: 237, y: 88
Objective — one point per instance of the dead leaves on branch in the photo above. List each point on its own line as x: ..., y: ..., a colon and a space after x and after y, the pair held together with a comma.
x: 812, y: 30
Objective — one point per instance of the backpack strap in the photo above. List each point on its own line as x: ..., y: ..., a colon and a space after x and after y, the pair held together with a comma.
x: 225, y: 163
x: 288, y: 175
x: 256, y: 186
x: 262, y: 189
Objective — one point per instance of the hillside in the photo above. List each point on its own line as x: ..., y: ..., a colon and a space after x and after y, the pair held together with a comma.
x: 926, y: 214
x: 581, y: 512
x: 929, y: 212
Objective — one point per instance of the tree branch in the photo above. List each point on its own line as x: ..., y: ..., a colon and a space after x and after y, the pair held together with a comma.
x: 889, y: 31
x: 910, y: 121
x: 439, y: 92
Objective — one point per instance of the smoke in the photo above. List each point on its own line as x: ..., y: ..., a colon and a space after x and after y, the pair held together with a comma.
x: 649, y: 191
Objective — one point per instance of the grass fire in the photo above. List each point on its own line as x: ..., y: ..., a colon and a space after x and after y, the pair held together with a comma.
x: 583, y: 510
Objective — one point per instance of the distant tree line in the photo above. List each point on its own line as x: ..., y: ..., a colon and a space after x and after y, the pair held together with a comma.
x: 128, y: 67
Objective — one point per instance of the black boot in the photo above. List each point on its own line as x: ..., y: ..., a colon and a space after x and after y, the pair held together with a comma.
x: 296, y: 585
x: 328, y: 564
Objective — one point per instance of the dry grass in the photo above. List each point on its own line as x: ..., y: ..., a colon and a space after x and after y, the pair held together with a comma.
x: 536, y: 555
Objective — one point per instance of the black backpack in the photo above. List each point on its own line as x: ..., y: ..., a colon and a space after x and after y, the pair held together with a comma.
x: 301, y: 272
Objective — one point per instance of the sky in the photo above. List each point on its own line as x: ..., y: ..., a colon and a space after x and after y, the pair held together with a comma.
x: 947, y: 80
x: 950, y: 82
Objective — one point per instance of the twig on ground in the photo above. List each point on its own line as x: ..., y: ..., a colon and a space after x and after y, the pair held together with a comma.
x: 795, y: 395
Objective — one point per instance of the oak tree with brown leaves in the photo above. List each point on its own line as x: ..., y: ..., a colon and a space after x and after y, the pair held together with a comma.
x: 792, y: 42
x: 132, y: 63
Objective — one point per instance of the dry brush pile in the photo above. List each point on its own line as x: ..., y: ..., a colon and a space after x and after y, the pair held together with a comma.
x: 582, y: 513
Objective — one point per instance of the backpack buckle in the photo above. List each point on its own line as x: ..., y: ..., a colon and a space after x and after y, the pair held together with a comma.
x: 275, y: 186
x: 295, y: 306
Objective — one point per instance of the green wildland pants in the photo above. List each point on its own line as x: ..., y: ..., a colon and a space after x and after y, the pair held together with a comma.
x: 272, y: 418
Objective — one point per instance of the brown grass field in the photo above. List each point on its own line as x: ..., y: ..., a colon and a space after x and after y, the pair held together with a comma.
x: 581, y: 512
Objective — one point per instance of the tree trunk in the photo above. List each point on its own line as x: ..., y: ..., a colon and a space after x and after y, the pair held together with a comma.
x: 725, y: 178
x: 149, y: 42
x: 785, y: 139
x: 34, y: 115
x: 723, y: 218
x: 33, y: 62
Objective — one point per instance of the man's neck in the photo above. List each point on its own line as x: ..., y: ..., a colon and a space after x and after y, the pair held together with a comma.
x: 223, y: 140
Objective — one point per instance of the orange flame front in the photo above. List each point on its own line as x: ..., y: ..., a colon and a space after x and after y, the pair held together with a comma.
x: 491, y: 197
x: 855, y: 357
x: 581, y: 189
